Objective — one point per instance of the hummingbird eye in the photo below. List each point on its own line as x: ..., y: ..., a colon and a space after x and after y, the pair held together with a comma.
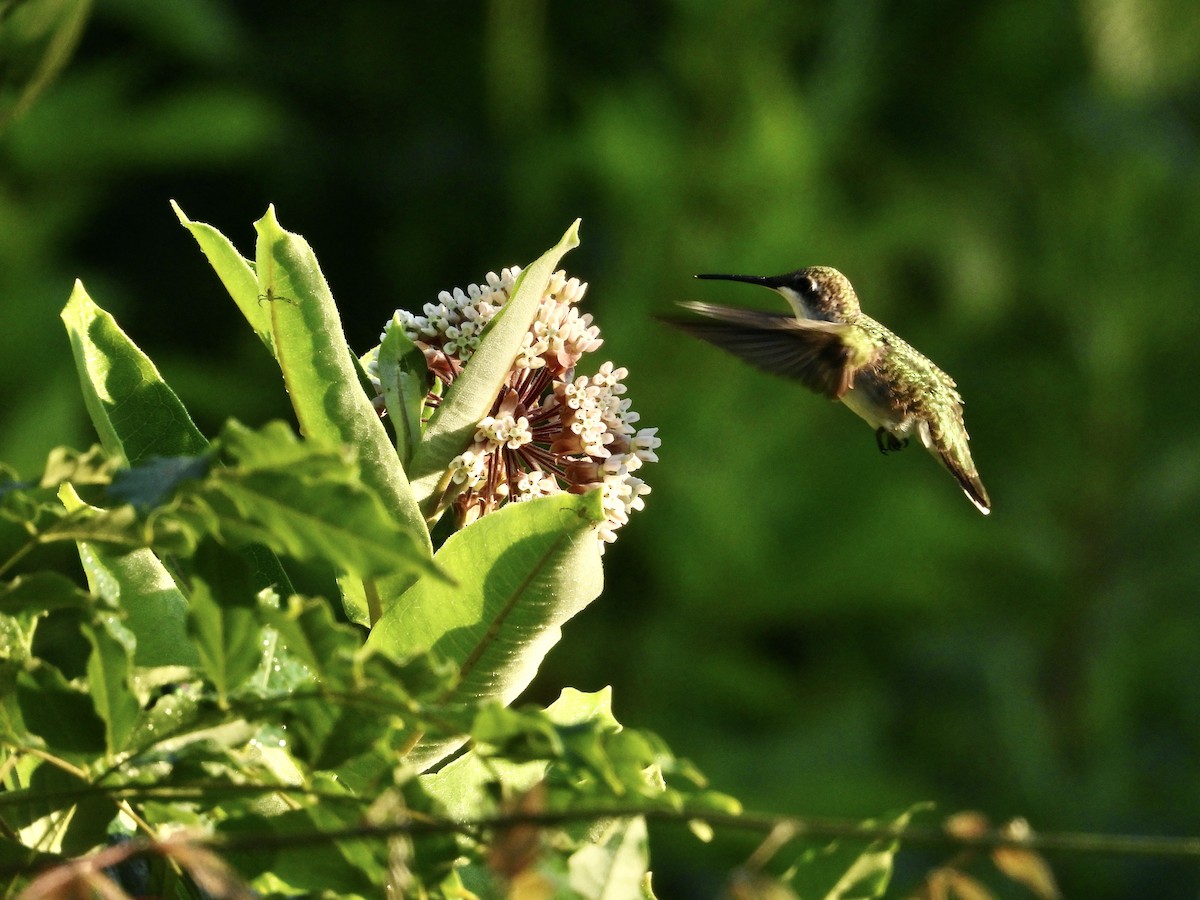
x: 807, y: 285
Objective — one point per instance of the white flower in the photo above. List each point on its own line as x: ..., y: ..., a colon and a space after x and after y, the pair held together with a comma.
x: 550, y: 429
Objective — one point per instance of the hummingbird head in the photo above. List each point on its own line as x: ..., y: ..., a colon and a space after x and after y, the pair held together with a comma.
x: 817, y: 292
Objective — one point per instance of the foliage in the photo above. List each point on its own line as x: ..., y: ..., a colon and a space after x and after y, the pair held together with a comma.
x: 190, y: 701
x: 1011, y: 186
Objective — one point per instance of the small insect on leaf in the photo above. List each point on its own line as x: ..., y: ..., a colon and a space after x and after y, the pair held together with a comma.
x: 269, y: 297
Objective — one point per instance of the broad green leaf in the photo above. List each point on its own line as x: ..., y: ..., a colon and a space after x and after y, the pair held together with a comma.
x: 472, y: 394
x: 223, y: 617
x: 109, y: 672
x: 321, y: 374
x: 405, y: 379
x: 846, y: 870
x: 63, y: 717
x: 140, y: 585
x: 236, y: 274
x: 133, y: 410
x: 615, y: 866
x: 308, y: 503
x: 522, y: 572
x: 37, y: 38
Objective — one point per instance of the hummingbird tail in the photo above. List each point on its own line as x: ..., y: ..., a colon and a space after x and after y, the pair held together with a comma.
x: 968, y: 480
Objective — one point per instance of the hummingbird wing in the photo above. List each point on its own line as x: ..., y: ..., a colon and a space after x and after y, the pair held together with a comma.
x: 823, y: 356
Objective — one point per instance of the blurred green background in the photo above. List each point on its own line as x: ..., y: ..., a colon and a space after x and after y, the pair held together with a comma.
x: 1013, y: 186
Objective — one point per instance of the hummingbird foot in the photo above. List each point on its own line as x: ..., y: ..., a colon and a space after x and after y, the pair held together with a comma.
x: 888, y: 442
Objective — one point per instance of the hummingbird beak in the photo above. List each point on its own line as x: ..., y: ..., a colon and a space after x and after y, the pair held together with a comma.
x: 774, y: 282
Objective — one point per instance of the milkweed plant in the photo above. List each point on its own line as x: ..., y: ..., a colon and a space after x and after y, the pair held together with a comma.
x: 177, y: 720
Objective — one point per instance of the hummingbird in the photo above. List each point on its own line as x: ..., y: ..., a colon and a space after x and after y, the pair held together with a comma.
x: 831, y: 347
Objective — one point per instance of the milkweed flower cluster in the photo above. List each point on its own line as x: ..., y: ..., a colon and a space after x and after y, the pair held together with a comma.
x: 550, y: 429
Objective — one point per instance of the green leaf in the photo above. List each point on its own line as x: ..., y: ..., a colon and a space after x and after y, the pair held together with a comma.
x: 37, y: 38
x: 321, y: 374
x: 223, y: 617
x: 615, y: 865
x: 522, y: 572
x: 140, y: 585
x: 235, y: 272
x: 63, y: 717
x: 133, y: 410
x: 472, y: 394
x: 41, y: 592
x: 845, y: 870
x: 109, y: 672
x: 405, y: 379
x: 306, y: 501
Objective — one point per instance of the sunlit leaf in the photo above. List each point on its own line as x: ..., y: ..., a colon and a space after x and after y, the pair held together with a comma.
x: 321, y: 374
x: 522, y: 572
x: 140, y: 585
x: 236, y: 274
x: 133, y: 410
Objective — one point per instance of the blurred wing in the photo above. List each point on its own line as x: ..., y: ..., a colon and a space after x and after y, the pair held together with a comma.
x: 823, y: 356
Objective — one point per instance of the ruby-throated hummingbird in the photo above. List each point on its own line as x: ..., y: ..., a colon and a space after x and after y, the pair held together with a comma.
x: 831, y: 347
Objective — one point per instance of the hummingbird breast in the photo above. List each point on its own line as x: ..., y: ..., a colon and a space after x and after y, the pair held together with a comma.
x: 873, y: 399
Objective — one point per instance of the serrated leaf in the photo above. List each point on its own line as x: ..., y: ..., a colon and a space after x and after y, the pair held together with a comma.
x: 236, y: 274
x: 470, y: 397
x: 223, y: 617
x: 321, y: 374
x: 133, y: 410
x: 310, y: 505
x: 109, y: 671
x: 404, y: 379
x: 522, y: 572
